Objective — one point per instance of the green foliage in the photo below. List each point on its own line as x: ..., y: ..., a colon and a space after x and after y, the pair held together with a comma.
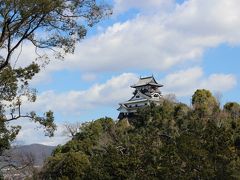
x: 233, y: 109
x: 1, y: 176
x: 7, y: 135
x: 204, y: 103
x: 14, y: 86
x: 71, y: 165
x: 170, y: 141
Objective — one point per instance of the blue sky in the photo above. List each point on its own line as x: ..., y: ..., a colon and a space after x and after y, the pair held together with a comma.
x: 186, y: 45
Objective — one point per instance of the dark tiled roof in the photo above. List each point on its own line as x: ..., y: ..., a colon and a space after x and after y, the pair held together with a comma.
x: 145, y: 81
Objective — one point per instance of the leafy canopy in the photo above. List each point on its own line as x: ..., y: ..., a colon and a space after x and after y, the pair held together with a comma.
x: 170, y: 141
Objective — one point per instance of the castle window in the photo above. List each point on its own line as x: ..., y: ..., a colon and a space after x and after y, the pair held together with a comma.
x: 137, y: 96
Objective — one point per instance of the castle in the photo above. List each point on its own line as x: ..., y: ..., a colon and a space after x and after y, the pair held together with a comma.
x: 146, y: 92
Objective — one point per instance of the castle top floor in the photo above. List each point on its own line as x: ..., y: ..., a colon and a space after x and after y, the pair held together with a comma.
x: 146, y: 83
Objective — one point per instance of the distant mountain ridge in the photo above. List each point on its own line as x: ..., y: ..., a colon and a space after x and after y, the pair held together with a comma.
x: 39, y: 152
x: 36, y: 152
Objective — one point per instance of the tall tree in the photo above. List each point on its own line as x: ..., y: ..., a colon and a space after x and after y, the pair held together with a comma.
x: 204, y: 103
x: 45, y: 24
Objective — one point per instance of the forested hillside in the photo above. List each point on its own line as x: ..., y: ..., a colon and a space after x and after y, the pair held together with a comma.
x: 170, y: 141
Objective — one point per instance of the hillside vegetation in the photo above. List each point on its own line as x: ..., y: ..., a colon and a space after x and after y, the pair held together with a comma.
x: 170, y: 141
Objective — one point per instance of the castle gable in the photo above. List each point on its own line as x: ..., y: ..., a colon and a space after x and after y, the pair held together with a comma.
x: 139, y: 96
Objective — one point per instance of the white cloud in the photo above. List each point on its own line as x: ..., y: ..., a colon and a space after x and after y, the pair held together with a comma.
x: 142, y: 44
x: 109, y: 93
x: 88, y: 77
x: 185, y: 82
x: 31, y: 133
x: 208, y: 18
x: 220, y: 82
x: 159, y: 42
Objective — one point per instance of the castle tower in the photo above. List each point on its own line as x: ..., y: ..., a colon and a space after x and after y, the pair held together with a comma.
x: 146, y: 92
